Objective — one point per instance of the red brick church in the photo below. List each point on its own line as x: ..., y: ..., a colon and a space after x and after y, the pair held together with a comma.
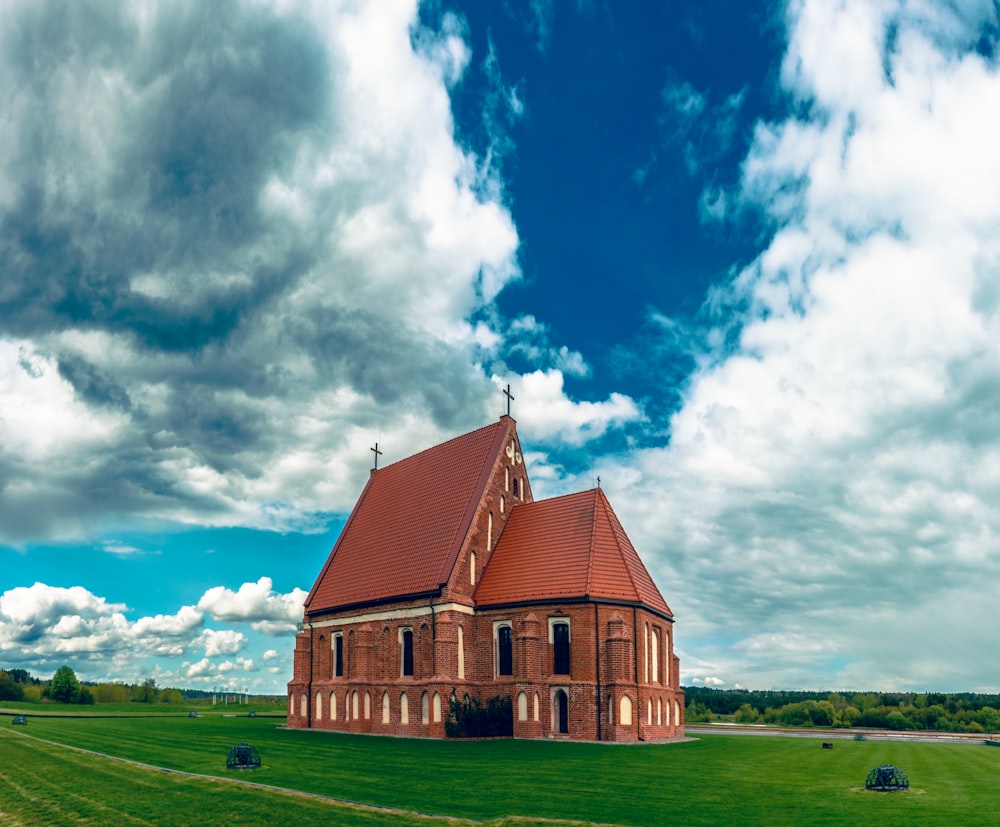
x: 450, y: 581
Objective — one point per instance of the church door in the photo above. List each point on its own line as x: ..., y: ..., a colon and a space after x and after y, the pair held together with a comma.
x: 562, y: 712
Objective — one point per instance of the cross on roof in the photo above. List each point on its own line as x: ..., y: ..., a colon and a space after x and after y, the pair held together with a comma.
x: 510, y: 397
x: 377, y: 453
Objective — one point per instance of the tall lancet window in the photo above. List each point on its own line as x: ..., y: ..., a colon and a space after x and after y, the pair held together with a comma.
x: 406, y: 645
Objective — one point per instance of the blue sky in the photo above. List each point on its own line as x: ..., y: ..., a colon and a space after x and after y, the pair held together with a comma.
x: 740, y: 260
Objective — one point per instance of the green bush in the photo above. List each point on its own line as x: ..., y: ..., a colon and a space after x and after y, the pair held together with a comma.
x: 470, y: 719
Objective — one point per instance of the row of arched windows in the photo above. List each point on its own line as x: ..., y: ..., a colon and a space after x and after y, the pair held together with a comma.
x: 355, y: 703
x: 657, y: 712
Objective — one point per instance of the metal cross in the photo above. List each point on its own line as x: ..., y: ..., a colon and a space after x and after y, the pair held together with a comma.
x: 510, y: 397
x: 377, y: 453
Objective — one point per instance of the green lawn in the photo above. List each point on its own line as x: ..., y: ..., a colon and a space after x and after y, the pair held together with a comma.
x: 716, y: 779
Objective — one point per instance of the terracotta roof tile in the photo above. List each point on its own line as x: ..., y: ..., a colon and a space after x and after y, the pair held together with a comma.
x: 411, y: 520
x: 566, y: 547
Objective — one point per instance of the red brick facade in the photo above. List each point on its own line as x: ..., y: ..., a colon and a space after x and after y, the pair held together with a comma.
x: 622, y: 682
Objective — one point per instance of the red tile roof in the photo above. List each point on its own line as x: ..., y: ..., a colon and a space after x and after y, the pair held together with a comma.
x: 566, y: 547
x: 411, y: 520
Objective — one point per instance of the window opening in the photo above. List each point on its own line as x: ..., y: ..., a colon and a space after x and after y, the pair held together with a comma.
x: 505, y: 651
x: 338, y: 656
x: 560, y: 648
x: 407, y: 642
x: 562, y: 712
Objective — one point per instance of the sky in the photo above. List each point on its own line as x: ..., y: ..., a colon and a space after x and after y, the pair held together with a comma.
x: 740, y: 260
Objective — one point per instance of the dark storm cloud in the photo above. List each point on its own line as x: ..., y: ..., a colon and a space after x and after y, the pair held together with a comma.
x: 229, y: 239
x: 91, y: 385
x: 200, y: 106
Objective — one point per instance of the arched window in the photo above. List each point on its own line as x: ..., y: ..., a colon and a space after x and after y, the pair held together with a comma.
x: 304, y: 706
x: 645, y: 644
x: 535, y: 715
x: 506, y: 478
x: 354, y: 705
x: 659, y: 711
x: 677, y: 713
x: 516, y: 489
x: 560, y: 648
x: 461, y: 652
x: 368, y: 705
x: 489, y: 532
x: 560, y: 711
x: 319, y: 707
x: 505, y: 650
x: 437, y: 708
x: 625, y: 711
x: 649, y: 712
x: 425, y: 709
x: 338, y: 654
x: 333, y: 706
x: 472, y: 568
x: 655, y: 654
x: 668, y: 713
x: 522, y: 707
x: 503, y: 503
x: 404, y: 709
x: 406, y: 650
x: 385, y: 707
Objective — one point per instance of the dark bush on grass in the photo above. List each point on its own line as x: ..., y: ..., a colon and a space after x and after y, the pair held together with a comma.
x: 470, y: 719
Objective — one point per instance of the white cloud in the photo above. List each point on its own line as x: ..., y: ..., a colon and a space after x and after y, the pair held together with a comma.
x: 549, y: 414
x: 830, y: 483
x: 186, y: 621
x: 225, y: 642
x: 256, y: 603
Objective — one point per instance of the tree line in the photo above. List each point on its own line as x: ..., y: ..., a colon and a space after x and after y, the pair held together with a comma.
x: 65, y: 687
x: 929, y: 711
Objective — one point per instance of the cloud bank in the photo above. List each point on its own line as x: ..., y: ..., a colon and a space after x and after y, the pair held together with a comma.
x: 826, y: 507
x: 42, y: 627
x: 240, y: 243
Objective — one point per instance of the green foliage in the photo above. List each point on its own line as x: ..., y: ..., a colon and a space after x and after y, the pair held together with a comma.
x: 21, y: 676
x: 10, y: 690
x: 64, y: 687
x: 470, y: 719
x: 933, y: 711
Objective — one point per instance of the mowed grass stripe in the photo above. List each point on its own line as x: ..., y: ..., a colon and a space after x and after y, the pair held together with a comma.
x: 44, y: 784
x: 716, y: 779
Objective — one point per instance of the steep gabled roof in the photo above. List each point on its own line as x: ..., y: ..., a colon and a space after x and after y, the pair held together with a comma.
x: 565, y: 548
x: 411, y: 520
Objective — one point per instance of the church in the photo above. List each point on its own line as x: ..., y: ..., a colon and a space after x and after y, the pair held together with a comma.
x: 451, y: 584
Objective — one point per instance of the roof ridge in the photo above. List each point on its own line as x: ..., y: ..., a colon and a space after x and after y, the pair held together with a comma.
x: 615, y: 524
x: 593, y: 550
x: 475, y: 497
x: 336, y: 546
x: 441, y: 445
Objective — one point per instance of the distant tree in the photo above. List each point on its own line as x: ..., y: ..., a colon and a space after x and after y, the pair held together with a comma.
x: 146, y: 692
x: 748, y: 714
x: 21, y: 676
x: 171, y: 696
x: 10, y: 690
x: 64, y: 686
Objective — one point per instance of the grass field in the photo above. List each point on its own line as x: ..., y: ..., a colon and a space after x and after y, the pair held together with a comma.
x: 716, y: 779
